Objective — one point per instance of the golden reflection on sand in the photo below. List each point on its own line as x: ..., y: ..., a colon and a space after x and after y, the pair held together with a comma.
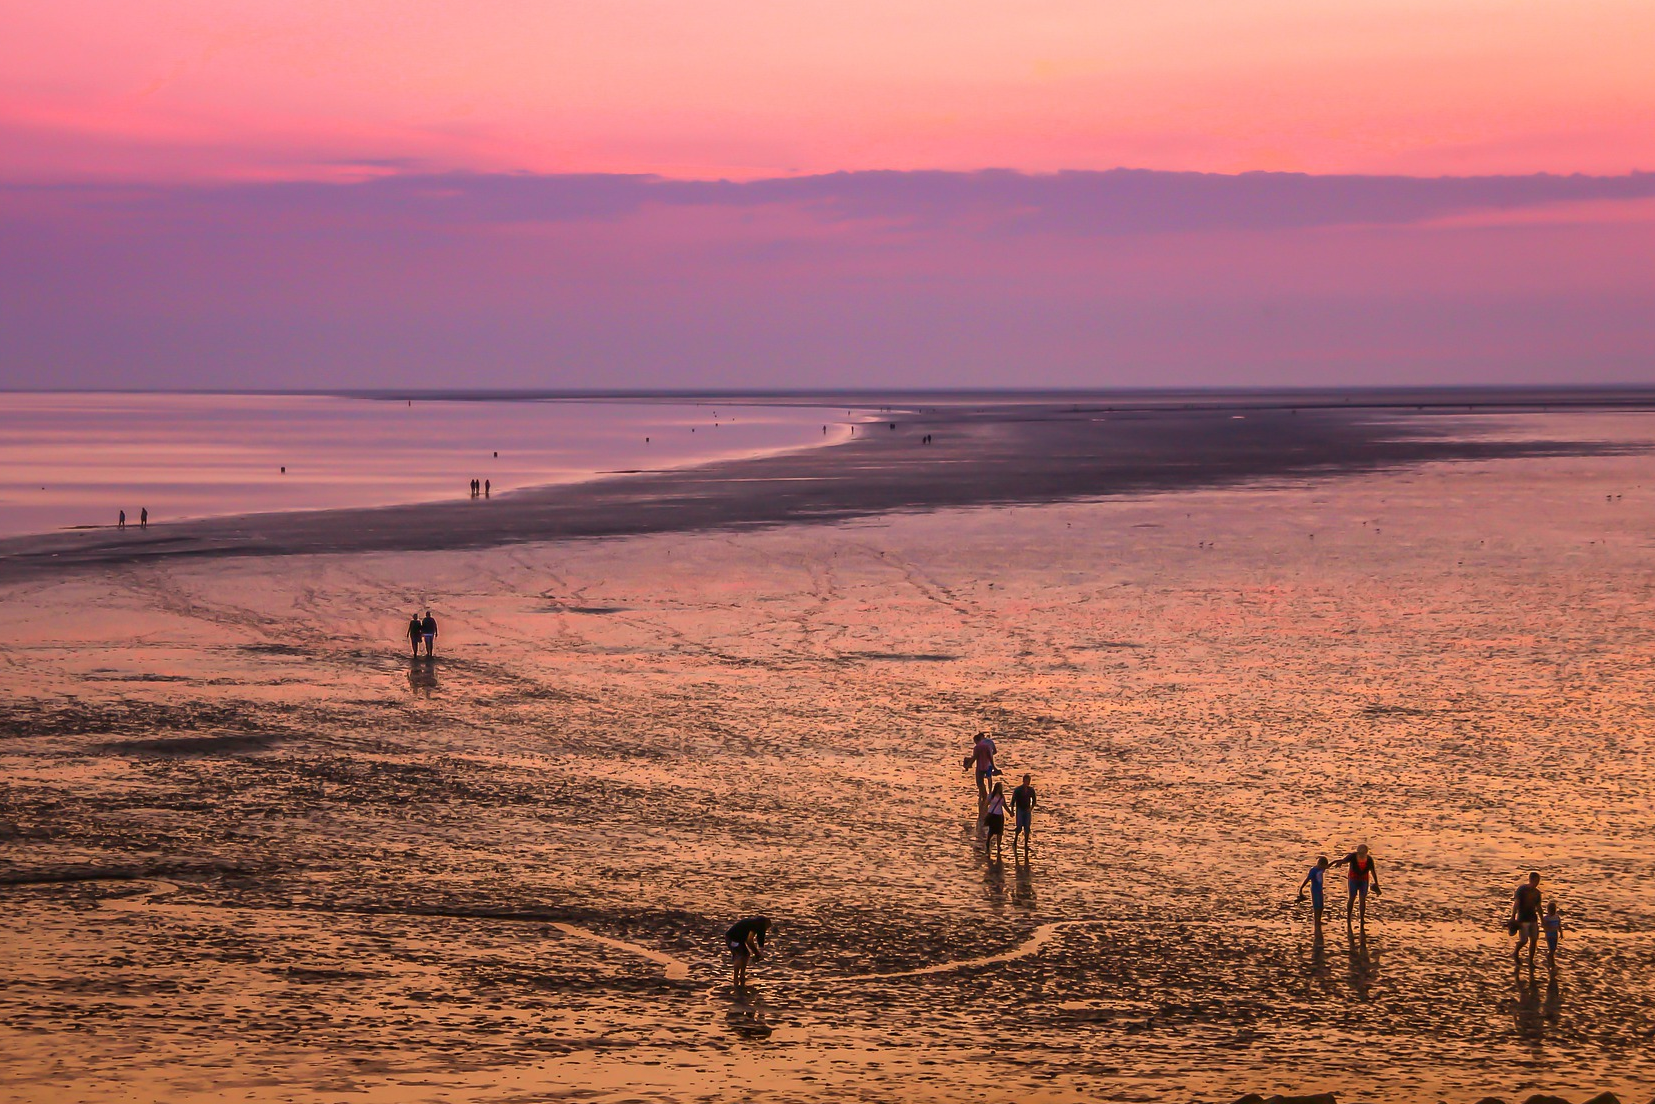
x: 254, y: 852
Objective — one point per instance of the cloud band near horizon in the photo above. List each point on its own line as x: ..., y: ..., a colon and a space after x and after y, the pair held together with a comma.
x: 909, y: 278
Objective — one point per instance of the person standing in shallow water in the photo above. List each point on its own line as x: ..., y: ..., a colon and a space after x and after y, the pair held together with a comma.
x: 428, y: 630
x: 416, y: 631
x: 143, y: 518
x: 1362, y: 872
x: 745, y: 941
x: 120, y: 523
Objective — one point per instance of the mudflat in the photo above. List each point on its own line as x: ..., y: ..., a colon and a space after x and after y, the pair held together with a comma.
x: 918, y: 456
x: 251, y: 849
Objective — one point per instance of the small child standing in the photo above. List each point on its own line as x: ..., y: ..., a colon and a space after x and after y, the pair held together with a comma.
x: 1553, y: 926
x: 1314, y: 881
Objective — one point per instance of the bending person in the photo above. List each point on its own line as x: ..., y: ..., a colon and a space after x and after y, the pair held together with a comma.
x: 746, y: 941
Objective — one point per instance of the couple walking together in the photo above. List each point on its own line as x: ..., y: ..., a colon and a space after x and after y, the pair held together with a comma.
x: 422, y: 630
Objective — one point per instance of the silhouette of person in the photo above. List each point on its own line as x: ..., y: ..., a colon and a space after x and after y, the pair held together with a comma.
x: 120, y: 523
x: 416, y: 630
x: 143, y: 518
x: 486, y: 486
x: 746, y: 941
x: 428, y: 630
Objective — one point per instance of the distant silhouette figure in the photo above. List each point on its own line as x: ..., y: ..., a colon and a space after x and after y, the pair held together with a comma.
x: 120, y: 522
x: 416, y: 630
x: 486, y: 486
x: 1525, y: 914
x: 284, y: 469
x: 143, y: 518
x: 428, y: 630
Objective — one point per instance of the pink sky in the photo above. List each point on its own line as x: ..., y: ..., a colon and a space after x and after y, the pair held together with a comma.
x: 191, y: 89
x: 305, y: 193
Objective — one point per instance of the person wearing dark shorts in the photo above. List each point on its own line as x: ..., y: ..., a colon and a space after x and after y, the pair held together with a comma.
x: 1362, y: 871
x: 995, y: 819
x: 1525, y: 913
x: 416, y: 632
x: 745, y: 942
x: 1022, y: 808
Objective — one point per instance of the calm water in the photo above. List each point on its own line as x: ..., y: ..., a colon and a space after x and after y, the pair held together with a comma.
x: 76, y: 459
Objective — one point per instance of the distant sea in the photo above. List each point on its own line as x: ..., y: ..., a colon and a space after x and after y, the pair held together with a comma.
x: 77, y: 459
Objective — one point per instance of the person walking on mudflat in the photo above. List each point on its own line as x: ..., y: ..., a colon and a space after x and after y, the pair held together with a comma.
x: 746, y: 942
x: 1362, y: 872
x: 982, y: 756
x: 1022, y: 807
x: 1525, y: 913
x: 1314, y: 881
x: 428, y: 631
x: 1553, y: 925
x: 996, y: 819
x: 416, y: 631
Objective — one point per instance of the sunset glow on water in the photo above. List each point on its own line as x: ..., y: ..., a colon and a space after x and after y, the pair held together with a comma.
x: 78, y: 459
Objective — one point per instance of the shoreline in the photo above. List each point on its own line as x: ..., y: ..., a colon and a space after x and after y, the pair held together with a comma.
x: 1002, y: 454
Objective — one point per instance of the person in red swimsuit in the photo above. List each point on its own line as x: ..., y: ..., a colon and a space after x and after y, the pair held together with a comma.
x: 1362, y: 872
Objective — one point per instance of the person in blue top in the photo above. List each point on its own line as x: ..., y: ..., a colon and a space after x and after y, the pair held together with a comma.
x: 1314, y: 881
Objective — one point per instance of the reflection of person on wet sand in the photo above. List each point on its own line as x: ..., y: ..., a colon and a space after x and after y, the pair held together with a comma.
x: 1362, y: 871
x: 1525, y: 913
x: 995, y: 818
x: 422, y: 677
x: 746, y: 942
x: 1022, y: 890
x: 415, y: 631
x: 1314, y: 881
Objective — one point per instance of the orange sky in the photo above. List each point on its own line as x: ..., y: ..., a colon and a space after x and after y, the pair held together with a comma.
x: 193, y: 89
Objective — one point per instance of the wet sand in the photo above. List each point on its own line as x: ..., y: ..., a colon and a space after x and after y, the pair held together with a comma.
x: 250, y: 850
x: 960, y: 453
